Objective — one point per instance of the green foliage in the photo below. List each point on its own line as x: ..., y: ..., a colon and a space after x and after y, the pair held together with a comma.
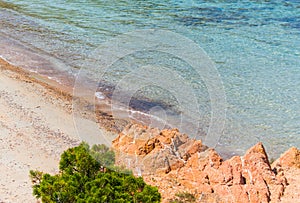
x: 103, y: 155
x: 82, y: 178
x: 78, y: 160
x: 183, y: 197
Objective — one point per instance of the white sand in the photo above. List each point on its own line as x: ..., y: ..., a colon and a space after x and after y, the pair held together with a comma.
x: 35, y: 128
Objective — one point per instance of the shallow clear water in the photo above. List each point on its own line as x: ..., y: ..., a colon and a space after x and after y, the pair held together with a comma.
x: 254, y: 44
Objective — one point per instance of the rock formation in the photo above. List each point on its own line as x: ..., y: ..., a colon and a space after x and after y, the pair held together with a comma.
x: 175, y: 163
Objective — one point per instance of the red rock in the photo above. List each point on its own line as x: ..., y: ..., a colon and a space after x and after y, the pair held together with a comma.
x: 175, y: 163
x: 240, y: 193
x: 290, y: 158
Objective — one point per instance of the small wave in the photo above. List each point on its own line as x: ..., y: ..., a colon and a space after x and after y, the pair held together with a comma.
x: 100, y: 95
x: 55, y: 79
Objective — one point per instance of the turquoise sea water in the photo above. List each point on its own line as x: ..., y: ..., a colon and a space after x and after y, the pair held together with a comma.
x: 254, y: 44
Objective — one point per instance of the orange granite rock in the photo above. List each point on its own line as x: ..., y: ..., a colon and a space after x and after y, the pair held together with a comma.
x: 175, y: 163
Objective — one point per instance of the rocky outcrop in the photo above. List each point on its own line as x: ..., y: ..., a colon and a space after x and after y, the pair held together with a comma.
x: 290, y: 159
x: 288, y: 165
x: 175, y: 163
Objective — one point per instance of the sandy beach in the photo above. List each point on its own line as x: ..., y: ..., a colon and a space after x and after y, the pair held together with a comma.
x: 36, y: 126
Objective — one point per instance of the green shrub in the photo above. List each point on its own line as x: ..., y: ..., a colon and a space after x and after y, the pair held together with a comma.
x: 82, y: 178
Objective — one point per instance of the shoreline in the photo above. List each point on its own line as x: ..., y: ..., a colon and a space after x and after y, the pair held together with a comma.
x: 100, y: 111
x: 62, y: 91
x: 86, y: 107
